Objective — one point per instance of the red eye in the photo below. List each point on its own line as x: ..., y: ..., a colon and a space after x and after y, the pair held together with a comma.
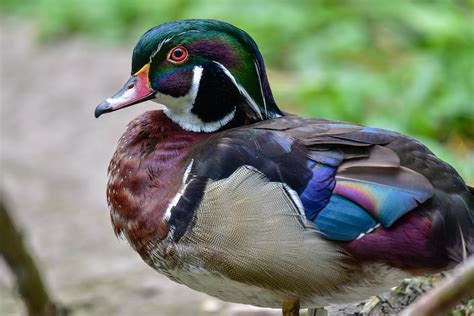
x: 178, y: 55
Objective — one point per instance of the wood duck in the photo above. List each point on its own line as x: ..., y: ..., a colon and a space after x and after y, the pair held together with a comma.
x: 225, y: 193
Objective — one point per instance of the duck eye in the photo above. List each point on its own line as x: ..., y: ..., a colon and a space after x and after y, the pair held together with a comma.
x: 178, y: 55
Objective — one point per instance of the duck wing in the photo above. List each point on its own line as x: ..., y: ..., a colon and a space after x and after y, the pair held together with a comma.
x: 348, y: 181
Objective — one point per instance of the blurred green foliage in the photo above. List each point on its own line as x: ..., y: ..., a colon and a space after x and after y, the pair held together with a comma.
x: 401, y: 65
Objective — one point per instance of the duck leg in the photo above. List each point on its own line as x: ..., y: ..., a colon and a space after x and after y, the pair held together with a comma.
x: 317, y: 312
x: 291, y: 308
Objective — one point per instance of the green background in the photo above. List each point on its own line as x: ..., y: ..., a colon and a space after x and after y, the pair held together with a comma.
x: 402, y: 65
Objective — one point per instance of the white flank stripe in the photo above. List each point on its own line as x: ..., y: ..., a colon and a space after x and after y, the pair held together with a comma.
x: 180, y: 193
x: 296, y: 199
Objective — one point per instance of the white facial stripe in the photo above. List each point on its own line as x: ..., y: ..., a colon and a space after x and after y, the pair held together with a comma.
x: 197, y: 75
x: 158, y: 48
x: 242, y: 90
x: 166, y: 40
x: 179, y: 109
x: 261, y: 87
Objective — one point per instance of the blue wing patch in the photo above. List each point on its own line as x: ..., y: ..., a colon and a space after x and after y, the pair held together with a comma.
x: 362, y: 193
x: 343, y: 220
x: 383, y: 202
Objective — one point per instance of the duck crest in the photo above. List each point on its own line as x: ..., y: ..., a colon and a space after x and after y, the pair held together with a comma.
x: 144, y: 175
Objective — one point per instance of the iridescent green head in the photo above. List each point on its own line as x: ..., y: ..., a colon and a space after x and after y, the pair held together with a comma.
x: 208, y: 74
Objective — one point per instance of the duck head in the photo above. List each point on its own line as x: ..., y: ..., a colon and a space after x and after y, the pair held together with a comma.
x: 208, y: 74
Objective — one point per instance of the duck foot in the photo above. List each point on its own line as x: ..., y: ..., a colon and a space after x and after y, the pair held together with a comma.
x: 291, y: 308
x: 321, y: 311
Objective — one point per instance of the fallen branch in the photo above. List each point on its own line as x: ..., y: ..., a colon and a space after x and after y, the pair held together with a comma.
x: 457, y: 286
x: 17, y: 257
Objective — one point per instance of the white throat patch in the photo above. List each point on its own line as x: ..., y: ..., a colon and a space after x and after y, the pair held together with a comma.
x: 178, y: 109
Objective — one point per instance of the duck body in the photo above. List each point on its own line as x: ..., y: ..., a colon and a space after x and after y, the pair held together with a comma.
x: 224, y: 236
x: 224, y: 193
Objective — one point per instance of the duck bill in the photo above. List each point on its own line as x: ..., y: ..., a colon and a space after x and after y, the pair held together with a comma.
x: 137, y: 89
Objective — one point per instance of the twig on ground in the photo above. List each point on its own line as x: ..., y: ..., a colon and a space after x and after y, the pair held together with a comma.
x: 456, y: 287
x: 19, y: 260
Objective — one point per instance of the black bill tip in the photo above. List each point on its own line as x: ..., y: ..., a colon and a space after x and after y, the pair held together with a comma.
x: 102, y: 108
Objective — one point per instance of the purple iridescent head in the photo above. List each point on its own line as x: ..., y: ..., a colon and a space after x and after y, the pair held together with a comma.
x: 208, y: 74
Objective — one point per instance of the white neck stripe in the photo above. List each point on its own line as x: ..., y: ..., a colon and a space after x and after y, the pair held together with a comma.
x: 242, y: 90
x: 261, y: 87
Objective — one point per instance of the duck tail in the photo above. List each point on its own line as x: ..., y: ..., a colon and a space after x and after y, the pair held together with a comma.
x: 457, y: 224
x: 469, y: 235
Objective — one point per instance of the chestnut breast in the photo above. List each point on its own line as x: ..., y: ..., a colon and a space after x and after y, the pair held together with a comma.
x: 144, y: 175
